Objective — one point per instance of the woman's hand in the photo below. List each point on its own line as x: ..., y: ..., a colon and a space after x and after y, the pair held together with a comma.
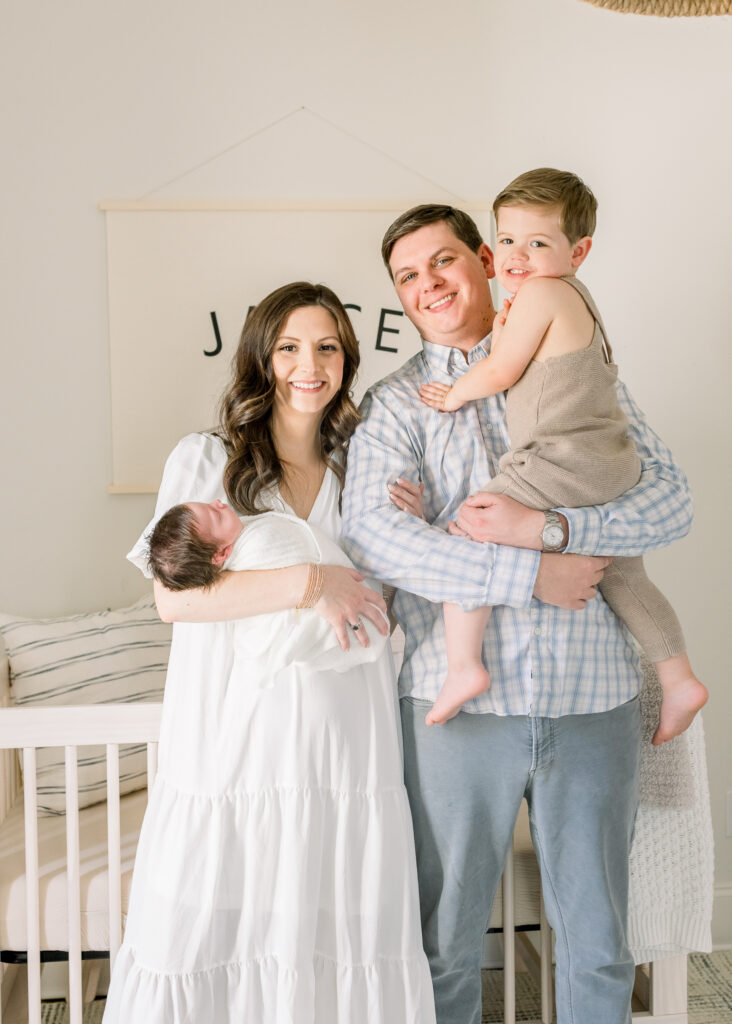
x: 407, y: 496
x: 345, y: 601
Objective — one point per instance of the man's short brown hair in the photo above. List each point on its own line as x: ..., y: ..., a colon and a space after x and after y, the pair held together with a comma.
x: 460, y: 223
x: 179, y: 557
x: 561, y: 189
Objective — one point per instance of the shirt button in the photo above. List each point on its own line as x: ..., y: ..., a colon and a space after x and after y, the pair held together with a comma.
x: 537, y: 631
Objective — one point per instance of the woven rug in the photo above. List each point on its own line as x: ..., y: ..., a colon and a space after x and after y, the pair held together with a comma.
x: 710, y: 992
x: 710, y: 995
x: 57, y: 1013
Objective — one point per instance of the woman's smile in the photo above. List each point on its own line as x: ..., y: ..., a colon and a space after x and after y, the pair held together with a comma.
x: 307, y: 361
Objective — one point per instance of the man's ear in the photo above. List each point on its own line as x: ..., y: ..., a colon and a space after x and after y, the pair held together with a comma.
x: 580, y: 250
x: 222, y: 554
x: 485, y: 255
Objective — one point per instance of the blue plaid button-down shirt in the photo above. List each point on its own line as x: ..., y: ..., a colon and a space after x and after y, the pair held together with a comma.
x: 543, y: 661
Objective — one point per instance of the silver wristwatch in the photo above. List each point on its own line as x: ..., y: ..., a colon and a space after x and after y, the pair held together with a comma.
x: 552, y: 536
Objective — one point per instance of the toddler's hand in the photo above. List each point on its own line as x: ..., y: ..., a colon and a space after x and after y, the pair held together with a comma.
x: 407, y: 496
x: 500, y: 322
x: 439, y: 396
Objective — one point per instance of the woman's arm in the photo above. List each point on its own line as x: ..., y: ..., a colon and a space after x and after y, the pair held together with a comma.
x: 237, y: 595
x: 193, y: 472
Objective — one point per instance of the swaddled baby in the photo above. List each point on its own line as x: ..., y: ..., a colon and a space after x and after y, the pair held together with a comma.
x: 192, y: 544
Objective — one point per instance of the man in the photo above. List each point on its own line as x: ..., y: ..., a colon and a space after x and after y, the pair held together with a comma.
x: 560, y: 723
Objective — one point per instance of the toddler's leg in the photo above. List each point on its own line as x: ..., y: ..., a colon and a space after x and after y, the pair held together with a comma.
x: 652, y: 621
x: 466, y: 673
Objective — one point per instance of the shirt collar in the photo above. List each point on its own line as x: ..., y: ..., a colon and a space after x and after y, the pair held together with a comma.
x: 451, y: 361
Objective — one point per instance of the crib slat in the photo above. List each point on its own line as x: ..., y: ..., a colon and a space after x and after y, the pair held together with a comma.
x: 152, y: 766
x: 509, y: 942
x: 76, y: 1007
x: 114, y: 862
x: 32, y: 897
x: 545, y: 953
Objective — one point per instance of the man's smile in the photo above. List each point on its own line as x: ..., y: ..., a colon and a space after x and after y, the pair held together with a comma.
x: 439, y: 303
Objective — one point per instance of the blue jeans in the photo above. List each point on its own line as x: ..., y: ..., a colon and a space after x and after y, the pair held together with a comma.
x: 579, y: 775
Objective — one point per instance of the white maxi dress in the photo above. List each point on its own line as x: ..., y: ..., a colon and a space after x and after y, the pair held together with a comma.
x: 275, y: 880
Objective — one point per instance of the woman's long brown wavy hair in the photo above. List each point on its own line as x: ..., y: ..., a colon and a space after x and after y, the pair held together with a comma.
x: 245, y: 413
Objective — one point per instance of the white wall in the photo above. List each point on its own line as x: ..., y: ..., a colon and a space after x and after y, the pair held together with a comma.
x: 112, y: 101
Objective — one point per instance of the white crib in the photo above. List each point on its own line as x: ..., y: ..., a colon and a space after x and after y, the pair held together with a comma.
x: 88, y: 855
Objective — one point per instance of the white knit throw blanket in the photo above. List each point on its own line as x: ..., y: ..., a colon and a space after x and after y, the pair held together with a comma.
x: 672, y: 859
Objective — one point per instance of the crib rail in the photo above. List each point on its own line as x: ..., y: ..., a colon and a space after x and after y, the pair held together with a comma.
x: 73, y: 727
x: 661, y: 986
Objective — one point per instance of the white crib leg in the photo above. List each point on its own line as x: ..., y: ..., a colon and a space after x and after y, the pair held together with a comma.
x: 509, y: 945
x: 668, y: 986
x: 32, y: 895
x: 73, y: 873
x: 545, y: 954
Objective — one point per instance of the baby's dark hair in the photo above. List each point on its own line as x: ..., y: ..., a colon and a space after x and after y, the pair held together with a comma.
x: 179, y: 557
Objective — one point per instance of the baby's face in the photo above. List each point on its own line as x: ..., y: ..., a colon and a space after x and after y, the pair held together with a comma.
x: 216, y: 522
x: 530, y: 243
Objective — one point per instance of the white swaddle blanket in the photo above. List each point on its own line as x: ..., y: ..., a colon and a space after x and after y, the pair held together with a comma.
x: 265, y: 644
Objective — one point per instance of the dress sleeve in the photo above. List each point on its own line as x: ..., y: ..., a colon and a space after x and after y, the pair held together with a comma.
x: 194, y: 471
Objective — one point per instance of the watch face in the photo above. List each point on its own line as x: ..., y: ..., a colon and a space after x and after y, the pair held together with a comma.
x: 553, y: 536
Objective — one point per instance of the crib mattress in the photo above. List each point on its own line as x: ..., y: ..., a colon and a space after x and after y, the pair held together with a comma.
x: 53, y: 878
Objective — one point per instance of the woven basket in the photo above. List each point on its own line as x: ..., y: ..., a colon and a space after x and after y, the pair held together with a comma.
x: 667, y: 8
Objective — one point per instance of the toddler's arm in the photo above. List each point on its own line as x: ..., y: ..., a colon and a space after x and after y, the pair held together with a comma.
x: 514, y: 343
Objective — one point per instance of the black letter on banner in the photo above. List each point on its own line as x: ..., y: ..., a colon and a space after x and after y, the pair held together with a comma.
x: 387, y: 330
x: 218, y: 348
x: 351, y: 305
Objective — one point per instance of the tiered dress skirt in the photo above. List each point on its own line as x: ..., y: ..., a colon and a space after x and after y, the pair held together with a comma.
x: 275, y: 880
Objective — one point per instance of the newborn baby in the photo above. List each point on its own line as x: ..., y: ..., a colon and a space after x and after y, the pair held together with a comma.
x: 192, y: 544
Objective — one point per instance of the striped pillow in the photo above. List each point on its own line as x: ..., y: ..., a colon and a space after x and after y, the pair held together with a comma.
x: 101, y: 658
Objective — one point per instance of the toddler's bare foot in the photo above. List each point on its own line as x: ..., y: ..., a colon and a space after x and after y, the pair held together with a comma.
x: 683, y: 696
x: 460, y: 685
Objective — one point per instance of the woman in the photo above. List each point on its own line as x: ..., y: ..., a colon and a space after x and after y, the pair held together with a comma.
x: 275, y: 879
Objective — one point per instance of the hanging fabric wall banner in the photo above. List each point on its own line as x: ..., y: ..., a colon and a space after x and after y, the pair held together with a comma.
x: 182, y: 277
x: 667, y: 8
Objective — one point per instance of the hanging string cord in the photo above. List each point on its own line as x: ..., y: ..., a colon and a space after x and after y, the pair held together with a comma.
x: 383, y: 152
x: 223, y: 152
x: 280, y: 120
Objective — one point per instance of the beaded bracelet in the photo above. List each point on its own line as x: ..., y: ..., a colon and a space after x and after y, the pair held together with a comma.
x: 313, y: 587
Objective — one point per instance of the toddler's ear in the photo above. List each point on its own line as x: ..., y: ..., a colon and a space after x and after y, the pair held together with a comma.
x: 580, y: 250
x: 222, y: 554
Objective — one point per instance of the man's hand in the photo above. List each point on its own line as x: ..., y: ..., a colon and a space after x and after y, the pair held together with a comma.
x: 569, y: 581
x: 501, y: 520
